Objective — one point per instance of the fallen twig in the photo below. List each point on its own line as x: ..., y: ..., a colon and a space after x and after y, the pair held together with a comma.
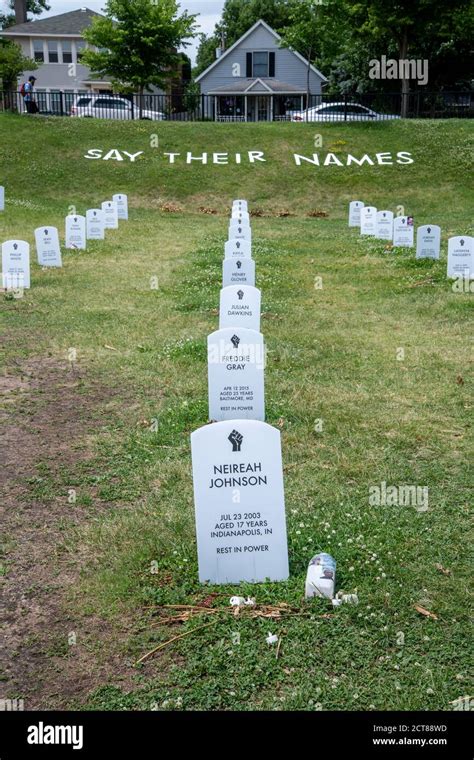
x: 170, y: 641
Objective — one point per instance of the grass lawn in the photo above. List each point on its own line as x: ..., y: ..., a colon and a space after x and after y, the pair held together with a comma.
x: 99, y: 541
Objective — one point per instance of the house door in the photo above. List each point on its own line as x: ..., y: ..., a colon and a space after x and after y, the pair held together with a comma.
x: 263, y: 108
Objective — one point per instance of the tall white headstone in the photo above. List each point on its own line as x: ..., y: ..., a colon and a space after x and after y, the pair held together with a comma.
x: 2, y: 198
x: 76, y: 231
x: 461, y: 257
x: 368, y: 218
x: 240, y: 233
x: 236, y: 368
x: 95, y: 224
x: 354, y: 213
x: 122, y: 205
x: 15, y: 264
x: 238, y: 248
x: 403, y: 232
x: 384, y: 225
x: 240, y: 539
x: 110, y: 215
x: 428, y: 241
x: 238, y: 221
x: 47, y: 247
x: 240, y: 307
x: 238, y: 272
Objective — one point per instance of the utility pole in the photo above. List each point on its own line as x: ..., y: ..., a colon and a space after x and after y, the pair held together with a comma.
x: 20, y: 11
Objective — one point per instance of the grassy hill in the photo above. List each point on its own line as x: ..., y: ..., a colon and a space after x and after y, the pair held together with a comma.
x: 100, y: 529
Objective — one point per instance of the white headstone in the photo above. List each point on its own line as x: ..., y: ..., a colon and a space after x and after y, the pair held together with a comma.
x: 240, y: 307
x: 76, y: 231
x: 354, y: 213
x: 240, y: 203
x: 122, y: 205
x: 428, y: 241
x: 238, y: 271
x: 368, y: 218
x: 403, y: 231
x: 239, y: 214
x: 461, y: 257
x: 110, y: 215
x: 2, y: 198
x: 235, y: 247
x: 15, y: 264
x: 384, y: 225
x: 240, y: 539
x: 95, y: 223
x: 47, y: 247
x: 235, y: 365
x: 240, y: 233
x: 238, y: 221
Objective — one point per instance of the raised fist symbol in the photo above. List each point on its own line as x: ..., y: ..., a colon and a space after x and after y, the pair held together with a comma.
x: 235, y: 341
x: 236, y: 440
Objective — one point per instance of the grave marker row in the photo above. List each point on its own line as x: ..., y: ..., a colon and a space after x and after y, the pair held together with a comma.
x: 237, y: 468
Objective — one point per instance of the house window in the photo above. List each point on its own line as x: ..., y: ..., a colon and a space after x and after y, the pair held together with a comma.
x: 260, y: 64
x: 67, y: 51
x: 80, y: 48
x: 53, y: 52
x: 38, y: 52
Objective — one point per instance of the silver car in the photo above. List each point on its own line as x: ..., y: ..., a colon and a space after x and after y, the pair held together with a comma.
x: 111, y: 107
x: 340, y: 112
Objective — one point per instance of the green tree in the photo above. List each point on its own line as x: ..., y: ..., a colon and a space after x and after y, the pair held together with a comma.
x: 303, y: 34
x: 22, y: 7
x: 12, y: 64
x: 411, y: 26
x: 137, y: 42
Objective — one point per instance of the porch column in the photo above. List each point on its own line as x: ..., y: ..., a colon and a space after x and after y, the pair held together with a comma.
x: 245, y: 107
x: 271, y: 107
x: 301, y: 102
x: 215, y: 107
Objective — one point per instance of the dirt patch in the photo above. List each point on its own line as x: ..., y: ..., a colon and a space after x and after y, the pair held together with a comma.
x: 49, y: 413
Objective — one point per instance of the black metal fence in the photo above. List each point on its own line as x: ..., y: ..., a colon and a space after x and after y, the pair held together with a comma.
x: 180, y: 106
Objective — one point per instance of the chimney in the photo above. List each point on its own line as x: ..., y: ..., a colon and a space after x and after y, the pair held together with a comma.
x: 20, y: 11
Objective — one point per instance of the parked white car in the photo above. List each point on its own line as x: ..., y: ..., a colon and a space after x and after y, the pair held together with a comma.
x: 340, y: 112
x: 111, y: 107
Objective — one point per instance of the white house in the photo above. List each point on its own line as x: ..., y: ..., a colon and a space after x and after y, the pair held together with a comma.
x: 258, y: 80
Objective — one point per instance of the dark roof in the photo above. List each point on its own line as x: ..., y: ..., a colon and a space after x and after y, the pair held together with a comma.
x: 73, y: 22
x: 257, y: 85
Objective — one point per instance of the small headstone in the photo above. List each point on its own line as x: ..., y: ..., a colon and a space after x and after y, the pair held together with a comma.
x: 110, y: 215
x: 239, y: 221
x: 240, y: 539
x: 239, y: 214
x: 122, y: 205
x: 47, y: 247
x: 240, y: 307
x: 428, y: 241
x: 236, y: 364
x: 240, y: 203
x: 2, y: 198
x: 368, y: 218
x: 403, y: 231
x: 461, y: 257
x: 95, y: 224
x: 240, y: 233
x: 384, y: 225
x: 354, y: 213
x: 76, y: 231
x: 238, y: 271
x: 238, y: 247
x: 15, y: 264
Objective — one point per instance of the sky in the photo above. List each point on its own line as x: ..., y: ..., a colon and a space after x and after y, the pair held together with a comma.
x: 209, y: 10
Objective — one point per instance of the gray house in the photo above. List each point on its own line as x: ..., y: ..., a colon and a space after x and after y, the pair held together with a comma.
x: 257, y: 80
x: 56, y: 44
